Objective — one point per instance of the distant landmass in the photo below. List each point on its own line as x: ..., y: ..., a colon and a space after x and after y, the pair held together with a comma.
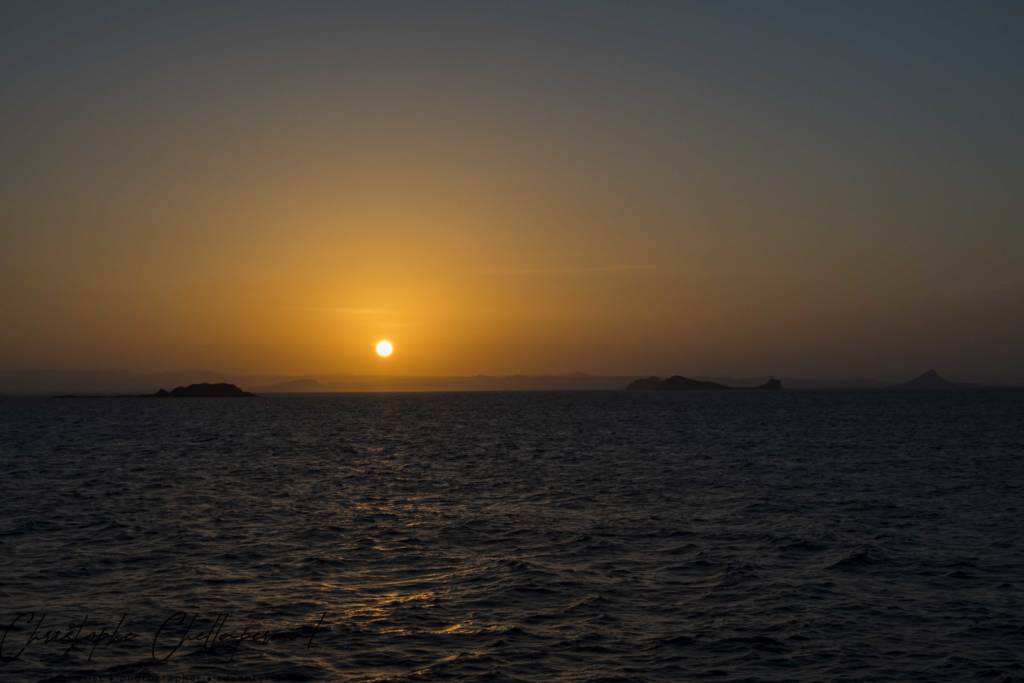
x: 203, y: 390
x: 679, y: 383
x: 109, y: 384
x: 932, y: 381
x: 295, y: 386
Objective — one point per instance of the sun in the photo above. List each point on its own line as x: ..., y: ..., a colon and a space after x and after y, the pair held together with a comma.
x: 384, y: 348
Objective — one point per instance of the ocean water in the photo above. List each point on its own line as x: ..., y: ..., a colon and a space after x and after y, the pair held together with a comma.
x: 606, y: 536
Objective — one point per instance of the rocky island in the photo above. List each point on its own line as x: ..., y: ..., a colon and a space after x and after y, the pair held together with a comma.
x: 203, y: 390
x: 933, y: 381
x: 678, y: 383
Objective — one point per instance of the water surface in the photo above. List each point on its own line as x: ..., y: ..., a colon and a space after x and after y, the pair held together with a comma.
x: 531, y: 537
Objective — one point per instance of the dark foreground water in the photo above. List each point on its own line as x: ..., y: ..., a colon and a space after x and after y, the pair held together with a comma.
x: 530, y: 537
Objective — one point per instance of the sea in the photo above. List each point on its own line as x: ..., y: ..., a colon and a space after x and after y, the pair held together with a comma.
x: 589, y: 536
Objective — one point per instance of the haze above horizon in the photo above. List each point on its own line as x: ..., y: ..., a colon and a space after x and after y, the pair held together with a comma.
x: 719, y: 189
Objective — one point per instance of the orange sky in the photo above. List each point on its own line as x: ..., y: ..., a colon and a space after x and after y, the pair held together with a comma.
x: 507, y: 194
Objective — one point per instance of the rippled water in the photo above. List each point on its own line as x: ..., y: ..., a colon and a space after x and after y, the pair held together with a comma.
x: 532, y: 537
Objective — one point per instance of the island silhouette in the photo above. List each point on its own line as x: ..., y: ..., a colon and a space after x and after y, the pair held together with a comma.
x: 202, y: 390
x: 933, y: 381
x: 680, y: 383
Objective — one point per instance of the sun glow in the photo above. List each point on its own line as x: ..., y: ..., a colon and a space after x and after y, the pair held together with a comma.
x: 384, y: 348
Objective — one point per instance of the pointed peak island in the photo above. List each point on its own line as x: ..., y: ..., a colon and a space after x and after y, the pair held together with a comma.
x: 929, y: 380
x: 933, y: 381
x: 203, y: 390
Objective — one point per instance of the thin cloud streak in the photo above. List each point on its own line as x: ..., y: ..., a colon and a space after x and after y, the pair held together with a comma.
x: 582, y: 270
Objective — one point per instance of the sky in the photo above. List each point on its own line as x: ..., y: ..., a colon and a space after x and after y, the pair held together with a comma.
x: 812, y: 189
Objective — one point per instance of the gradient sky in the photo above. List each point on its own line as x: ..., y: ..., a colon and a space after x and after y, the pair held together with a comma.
x: 817, y: 189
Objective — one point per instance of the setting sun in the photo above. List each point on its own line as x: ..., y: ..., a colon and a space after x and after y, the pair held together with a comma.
x: 384, y: 348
